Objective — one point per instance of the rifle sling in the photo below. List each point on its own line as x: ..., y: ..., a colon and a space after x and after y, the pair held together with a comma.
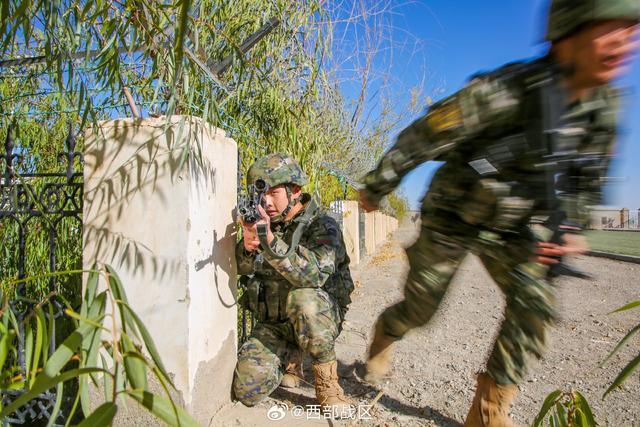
x: 303, y: 223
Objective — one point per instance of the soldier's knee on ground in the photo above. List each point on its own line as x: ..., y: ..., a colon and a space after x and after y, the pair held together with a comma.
x: 258, y: 373
x: 252, y: 384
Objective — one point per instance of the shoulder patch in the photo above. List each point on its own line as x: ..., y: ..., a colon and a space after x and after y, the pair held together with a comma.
x: 445, y: 116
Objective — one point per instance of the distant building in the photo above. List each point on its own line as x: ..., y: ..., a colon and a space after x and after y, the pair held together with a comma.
x: 614, y: 218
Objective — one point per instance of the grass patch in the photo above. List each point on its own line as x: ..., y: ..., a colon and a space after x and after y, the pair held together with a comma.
x: 619, y: 242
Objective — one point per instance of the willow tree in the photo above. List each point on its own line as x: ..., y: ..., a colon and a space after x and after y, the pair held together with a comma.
x: 262, y: 70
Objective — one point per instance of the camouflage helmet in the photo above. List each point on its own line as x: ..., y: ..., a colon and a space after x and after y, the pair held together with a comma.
x: 276, y: 169
x: 567, y: 16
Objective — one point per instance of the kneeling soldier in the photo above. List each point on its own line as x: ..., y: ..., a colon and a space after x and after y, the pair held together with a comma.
x: 299, y: 289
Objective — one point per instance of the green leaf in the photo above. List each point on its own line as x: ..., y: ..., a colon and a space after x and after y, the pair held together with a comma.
x: 4, y: 345
x: 115, y: 284
x: 163, y: 409
x: 135, y: 368
x: 627, y: 307
x: 561, y: 412
x: 120, y: 378
x: 148, y: 341
x: 546, y: 406
x: 622, y: 376
x: 51, y: 330
x: 90, y: 349
x: 107, y: 381
x: 57, y: 405
x: 97, y: 324
x: 28, y: 350
x: 44, y: 324
x: 622, y: 342
x: 102, y: 416
x: 63, y: 353
x: 583, y: 405
x: 90, y: 291
x: 42, y: 385
x: 40, y: 326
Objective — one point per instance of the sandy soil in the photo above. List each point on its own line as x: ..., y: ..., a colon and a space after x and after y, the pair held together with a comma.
x: 434, y: 367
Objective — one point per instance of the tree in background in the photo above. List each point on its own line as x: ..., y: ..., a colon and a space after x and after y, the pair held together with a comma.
x: 271, y: 73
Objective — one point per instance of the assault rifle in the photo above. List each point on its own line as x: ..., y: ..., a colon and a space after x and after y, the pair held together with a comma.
x: 248, y: 204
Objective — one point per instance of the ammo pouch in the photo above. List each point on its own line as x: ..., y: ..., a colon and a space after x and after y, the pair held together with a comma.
x: 496, y: 205
x: 267, y: 300
x: 503, y: 194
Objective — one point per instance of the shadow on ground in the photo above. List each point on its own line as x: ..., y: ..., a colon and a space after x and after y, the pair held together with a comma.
x: 360, y: 391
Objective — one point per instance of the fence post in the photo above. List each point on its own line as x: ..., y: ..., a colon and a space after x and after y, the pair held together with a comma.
x: 159, y: 201
x: 370, y: 232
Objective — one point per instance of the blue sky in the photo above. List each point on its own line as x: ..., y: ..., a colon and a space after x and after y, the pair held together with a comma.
x: 465, y: 36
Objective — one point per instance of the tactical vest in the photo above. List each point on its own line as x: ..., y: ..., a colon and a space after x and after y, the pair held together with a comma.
x: 267, y: 290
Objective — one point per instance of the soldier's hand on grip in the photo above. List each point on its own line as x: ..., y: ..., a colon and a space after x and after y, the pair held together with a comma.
x: 250, y: 236
x: 551, y: 253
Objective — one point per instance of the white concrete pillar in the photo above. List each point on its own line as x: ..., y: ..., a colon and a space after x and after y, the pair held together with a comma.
x: 370, y: 233
x: 379, y: 224
x: 386, y: 227
x: 351, y: 230
x: 159, y: 197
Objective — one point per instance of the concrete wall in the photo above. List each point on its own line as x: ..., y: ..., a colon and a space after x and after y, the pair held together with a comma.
x: 351, y: 230
x: 158, y: 208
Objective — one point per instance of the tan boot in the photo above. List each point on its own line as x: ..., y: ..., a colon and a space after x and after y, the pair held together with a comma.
x: 490, y: 407
x: 328, y: 391
x: 379, y: 362
x: 293, y: 373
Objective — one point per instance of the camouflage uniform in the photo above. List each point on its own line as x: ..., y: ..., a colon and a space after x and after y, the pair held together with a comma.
x: 299, y: 301
x: 483, y: 198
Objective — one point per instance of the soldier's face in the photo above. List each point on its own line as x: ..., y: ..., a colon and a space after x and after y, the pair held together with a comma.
x: 603, y: 51
x: 276, y: 200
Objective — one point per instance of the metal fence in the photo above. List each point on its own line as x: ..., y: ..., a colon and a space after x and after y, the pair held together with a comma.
x: 34, y: 207
x: 619, y: 221
x: 335, y: 211
x: 634, y: 222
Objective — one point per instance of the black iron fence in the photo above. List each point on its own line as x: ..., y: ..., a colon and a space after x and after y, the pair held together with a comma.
x: 41, y: 232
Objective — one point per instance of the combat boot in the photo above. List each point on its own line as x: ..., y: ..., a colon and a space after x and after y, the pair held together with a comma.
x: 379, y: 362
x: 490, y: 407
x: 328, y: 392
x: 293, y: 373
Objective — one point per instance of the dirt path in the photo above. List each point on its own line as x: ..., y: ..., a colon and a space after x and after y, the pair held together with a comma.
x: 434, y: 367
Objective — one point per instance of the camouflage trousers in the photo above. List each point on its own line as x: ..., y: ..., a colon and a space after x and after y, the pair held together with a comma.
x: 434, y: 258
x: 312, y: 326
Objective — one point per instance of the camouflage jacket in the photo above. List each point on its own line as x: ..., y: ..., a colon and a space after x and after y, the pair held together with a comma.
x: 491, y: 134
x: 320, y: 260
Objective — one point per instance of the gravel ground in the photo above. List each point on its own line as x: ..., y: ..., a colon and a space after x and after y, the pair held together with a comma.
x: 434, y: 367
